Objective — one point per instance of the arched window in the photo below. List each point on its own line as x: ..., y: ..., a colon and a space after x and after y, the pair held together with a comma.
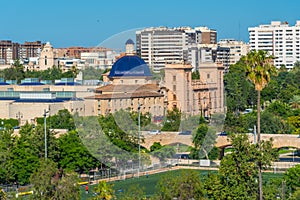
x: 45, y: 60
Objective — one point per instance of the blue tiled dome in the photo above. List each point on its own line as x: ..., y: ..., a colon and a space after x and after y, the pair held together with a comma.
x: 129, y: 41
x: 129, y: 66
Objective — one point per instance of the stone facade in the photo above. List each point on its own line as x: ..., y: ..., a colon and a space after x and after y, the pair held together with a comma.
x: 47, y: 57
x: 204, y: 96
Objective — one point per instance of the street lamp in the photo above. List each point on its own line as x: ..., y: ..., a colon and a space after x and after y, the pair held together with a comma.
x: 19, y: 116
x: 45, y: 132
x: 139, y: 130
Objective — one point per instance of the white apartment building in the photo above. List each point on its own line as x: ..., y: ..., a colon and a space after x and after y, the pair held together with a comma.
x: 159, y: 46
x: 100, y: 59
x: 207, y: 53
x: 278, y: 39
x: 237, y: 49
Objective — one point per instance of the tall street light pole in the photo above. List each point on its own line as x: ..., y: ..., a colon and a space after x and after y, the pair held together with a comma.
x: 139, y: 130
x: 45, y: 133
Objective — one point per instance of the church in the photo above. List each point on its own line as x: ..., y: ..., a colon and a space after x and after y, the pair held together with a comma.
x: 130, y: 86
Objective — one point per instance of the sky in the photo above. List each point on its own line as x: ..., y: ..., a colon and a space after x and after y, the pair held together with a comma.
x: 91, y: 23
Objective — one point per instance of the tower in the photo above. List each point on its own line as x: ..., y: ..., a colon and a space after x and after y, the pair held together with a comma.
x: 47, y: 57
x: 129, y: 47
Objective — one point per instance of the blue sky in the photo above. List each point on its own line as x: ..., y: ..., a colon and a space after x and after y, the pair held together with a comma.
x: 88, y: 23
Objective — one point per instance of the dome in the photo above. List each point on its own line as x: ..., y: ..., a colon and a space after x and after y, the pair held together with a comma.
x: 129, y: 41
x: 129, y: 66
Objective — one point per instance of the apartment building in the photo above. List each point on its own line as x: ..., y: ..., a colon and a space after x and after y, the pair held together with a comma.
x: 237, y: 49
x: 204, y: 53
x: 10, y: 51
x: 159, y: 46
x: 278, y: 39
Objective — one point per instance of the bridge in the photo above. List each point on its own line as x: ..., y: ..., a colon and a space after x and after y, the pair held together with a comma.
x: 168, y: 138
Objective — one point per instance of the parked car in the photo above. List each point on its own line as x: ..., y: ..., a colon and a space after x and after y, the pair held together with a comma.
x: 153, y: 132
x: 223, y: 133
x: 248, y: 110
x: 187, y: 132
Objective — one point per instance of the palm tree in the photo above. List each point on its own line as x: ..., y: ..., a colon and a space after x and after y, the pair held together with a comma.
x: 74, y: 71
x: 259, y: 68
x: 295, y: 102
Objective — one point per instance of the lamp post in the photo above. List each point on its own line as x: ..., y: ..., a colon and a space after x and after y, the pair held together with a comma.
x: 19, y: 116
x: 139, y: 130
x: 45, y: 132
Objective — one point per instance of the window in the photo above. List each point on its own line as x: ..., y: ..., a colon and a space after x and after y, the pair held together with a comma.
x: 174, y: 87
x: 208, y: 75
x: 174, y: 78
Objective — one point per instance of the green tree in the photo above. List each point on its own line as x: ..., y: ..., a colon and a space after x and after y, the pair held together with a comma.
x: 237, y: 176
x: 273, y: 189
x: 74, y: 155
x: 196, y: 75
x: 172, y: 121
x: 204, y: 139
x: 259, y: 68
x: 182, y: 186
x: 62, y: 120
x: 155, y: 146
x: 30, y: 148
x: 296, y: 195
x: 294, y: 121
x: 15, y: 72
x: 67, y: 187
x: 295, y: 102
x: 8, y: 123
x: 238, y: 90
x: 297, y: 65
x: 74, y: 71
x: 7, y: 143
x: 104, y: 191
x: 50, y: 183
x: 292, y: 177
x: 164, y: 153
x: 104, y: 72
x: 42, y: 180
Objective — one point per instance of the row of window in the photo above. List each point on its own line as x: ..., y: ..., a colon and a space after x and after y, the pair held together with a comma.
x: 126, y: 102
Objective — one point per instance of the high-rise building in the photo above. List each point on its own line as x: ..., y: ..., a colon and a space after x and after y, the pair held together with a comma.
x: 204, y: 53
x: 10, y: 51
x: 161, y: 45
x: 237, y: 49
x: 30, y: 49
x: 278, y: 39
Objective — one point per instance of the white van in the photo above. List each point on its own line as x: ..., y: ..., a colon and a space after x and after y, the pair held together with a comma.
x: 248, y: 110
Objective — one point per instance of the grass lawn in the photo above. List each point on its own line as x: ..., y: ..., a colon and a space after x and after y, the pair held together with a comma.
x: 149, y: 183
